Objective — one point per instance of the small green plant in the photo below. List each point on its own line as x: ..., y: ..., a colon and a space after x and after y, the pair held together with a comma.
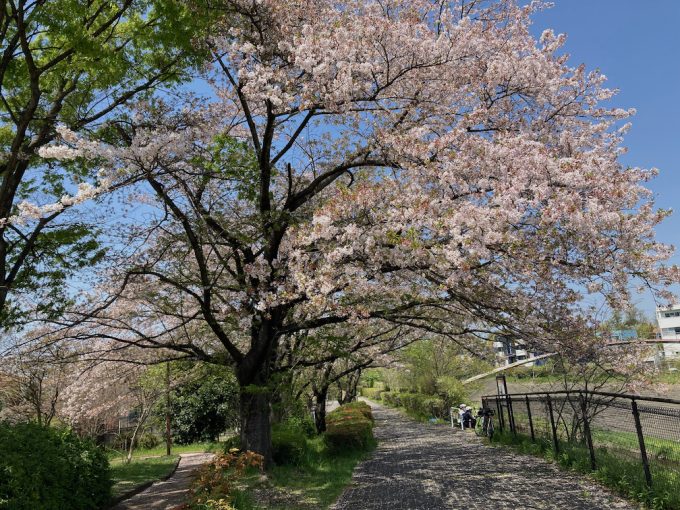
x: 148, y: 441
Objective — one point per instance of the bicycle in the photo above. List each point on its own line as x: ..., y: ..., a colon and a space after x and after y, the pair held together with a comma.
x: 484, y: 426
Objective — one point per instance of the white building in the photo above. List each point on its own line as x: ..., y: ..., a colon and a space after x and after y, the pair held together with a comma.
x: 510, y: 350
x: 668, y: 320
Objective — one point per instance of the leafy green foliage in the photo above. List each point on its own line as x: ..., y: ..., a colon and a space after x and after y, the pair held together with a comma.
x: 289, y: 441
x: 289, y: 446
x: 50, y: 469
x: 78, y: 64
x: 68, y: 249
x: 205, y: 406
x: 418, y: 405
x: 431, y: 360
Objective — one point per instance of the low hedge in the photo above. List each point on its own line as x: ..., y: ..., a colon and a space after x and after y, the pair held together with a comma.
x: 362, y: 407
x: 51, y: 469
x: 348, y: 427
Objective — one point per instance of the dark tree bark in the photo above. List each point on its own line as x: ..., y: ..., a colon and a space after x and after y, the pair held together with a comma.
x: 320, y: 397
x: 256, y: 423
x: 253, y: 372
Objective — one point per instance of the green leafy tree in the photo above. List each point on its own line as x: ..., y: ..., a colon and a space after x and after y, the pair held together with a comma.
x: 205, y: 406
x: 633, y: 318
x: 77, y: 64
x: 434, y: 363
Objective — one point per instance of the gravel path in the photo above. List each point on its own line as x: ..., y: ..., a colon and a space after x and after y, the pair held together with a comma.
x: 171, y: 492
x: 430, y: 467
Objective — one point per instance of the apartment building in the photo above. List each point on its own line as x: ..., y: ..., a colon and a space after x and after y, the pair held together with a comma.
x: 668, y: 320
x: 510, y: 350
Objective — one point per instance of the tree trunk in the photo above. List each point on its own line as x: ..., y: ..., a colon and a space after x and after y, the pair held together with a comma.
x: 352, y: 383
x: 254, y: 377
x: 133, y: 439
x: 255, y: 422
x: 320, y: 396
x: 349, y: 393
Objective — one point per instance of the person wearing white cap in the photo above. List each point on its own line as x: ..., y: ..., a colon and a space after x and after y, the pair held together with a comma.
x: 468, y: 420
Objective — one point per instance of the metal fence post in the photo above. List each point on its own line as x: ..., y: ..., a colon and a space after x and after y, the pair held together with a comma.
x: 552, y: 425
x: 641, y: 440
x: 531, y: 422
x: 499, y: 407
x: 511, y: 415
x: 586, y: 430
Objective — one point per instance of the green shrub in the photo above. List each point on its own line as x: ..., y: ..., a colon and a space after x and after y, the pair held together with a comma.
x: 50, y: 469
x: 204, y: 406
x: 390, y: 398
x: 303, y: 424
x: 231, y: 443
x: 348, y: 427
x: 452, y: 390
x: 289, y: 446
x: 148, y: 441
x: 372, y: 393
x: 418, y: 404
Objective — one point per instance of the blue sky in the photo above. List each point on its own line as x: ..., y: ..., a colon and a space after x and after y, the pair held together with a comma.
x: 637, y: 46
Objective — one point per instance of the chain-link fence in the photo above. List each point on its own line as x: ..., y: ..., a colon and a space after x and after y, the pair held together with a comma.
x: 634, y: 440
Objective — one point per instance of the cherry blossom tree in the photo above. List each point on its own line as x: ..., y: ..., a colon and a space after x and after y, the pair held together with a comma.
x: 32, y: 382
x: 119, y: 381
x: 370, y: 161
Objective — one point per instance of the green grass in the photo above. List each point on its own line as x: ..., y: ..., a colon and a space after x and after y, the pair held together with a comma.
x: 314, y: 484
x: 657, y: 449
x: 139, y: 471
x: 621, y: 473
